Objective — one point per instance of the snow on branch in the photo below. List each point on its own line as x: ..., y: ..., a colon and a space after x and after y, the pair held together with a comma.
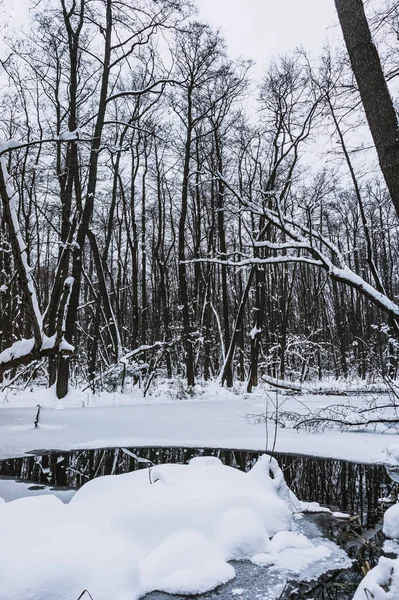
x: 25, y: 351
x: 144, y: 348
x: 18, y: 246
x: 280, y: 246
x: 248, y: 262
x: 64, y: 137
x: 282, y: 384
x: 305, y: 239
x: 129, y: 356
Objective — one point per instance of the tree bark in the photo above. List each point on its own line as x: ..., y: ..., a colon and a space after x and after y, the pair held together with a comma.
x: 373, y: 89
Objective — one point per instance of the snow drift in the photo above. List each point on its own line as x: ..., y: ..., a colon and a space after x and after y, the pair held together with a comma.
x: 382, y: 582
x: 171, y: 528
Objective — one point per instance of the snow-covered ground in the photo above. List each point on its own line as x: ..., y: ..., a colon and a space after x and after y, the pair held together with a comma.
x: 171, y: 528
x: 213, y: 417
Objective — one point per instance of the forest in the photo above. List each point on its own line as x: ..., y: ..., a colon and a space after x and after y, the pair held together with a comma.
x: 164, y: 215
x: 199, y: 303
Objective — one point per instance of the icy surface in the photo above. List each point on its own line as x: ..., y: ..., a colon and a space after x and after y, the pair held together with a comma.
x: 170, y: 528
x: 214, y: 417
x: 11, y: 489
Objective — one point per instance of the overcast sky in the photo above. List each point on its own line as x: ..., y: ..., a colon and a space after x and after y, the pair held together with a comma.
x: 261, y: 29
x: 254, y: 29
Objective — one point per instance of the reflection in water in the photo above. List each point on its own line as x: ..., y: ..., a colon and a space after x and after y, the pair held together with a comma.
x: 346, y: 486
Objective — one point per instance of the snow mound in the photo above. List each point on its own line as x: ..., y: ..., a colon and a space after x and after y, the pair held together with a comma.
x: 391, y: 522
x: 46, y: 554
x: 240, y: 534
x: 170, y: 528
x: 381, y: 583
x: 185, y: 563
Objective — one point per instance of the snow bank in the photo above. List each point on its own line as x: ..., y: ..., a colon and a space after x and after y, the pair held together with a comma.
x: 381, y: 583
x: 170, y: 528
x: 185, y: 563
x: 391, y: 522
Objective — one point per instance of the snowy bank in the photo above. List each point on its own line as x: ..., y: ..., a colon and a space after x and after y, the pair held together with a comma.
x: 382, y: 582
x: 171, y: 528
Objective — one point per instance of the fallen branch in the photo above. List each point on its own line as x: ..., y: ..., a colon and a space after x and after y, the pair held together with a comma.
x: 316, y: 420
x: 10, y: 382
x: 9, y: 361
x: 282, y: 384
x: 136, y: 457
x: 124, y: 360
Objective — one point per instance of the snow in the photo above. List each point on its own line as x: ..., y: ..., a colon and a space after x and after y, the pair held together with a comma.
x: 9, y: 145
x: 254, y: 332
x: 312, y: 507
x: 185, y: 563
x: 67, y: 136
x: 293, y: 553
x: 391, y: 547
x: 18, y: 349
x: 171, y: 528
x: 66, y: 346
x: 392, y: 454
x: 381, y: 583
x: 214, y: 417
x: 391, y: 522
x: 345, y: 275
x: 340, y: 515
x: 24, y: 347
x: 13, y: 205
x: 48, y: 342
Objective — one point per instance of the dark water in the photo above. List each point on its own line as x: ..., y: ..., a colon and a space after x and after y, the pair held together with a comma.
x: 341, y: 485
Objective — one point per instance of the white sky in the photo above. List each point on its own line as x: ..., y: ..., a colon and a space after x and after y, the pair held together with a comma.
x: 254, y: 29
x: 261, y: 29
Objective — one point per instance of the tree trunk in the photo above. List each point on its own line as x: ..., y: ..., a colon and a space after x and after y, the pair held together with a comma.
x: 374, y: 93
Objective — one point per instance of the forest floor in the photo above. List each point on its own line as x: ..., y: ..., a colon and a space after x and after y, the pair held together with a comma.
x: 211, y: 417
